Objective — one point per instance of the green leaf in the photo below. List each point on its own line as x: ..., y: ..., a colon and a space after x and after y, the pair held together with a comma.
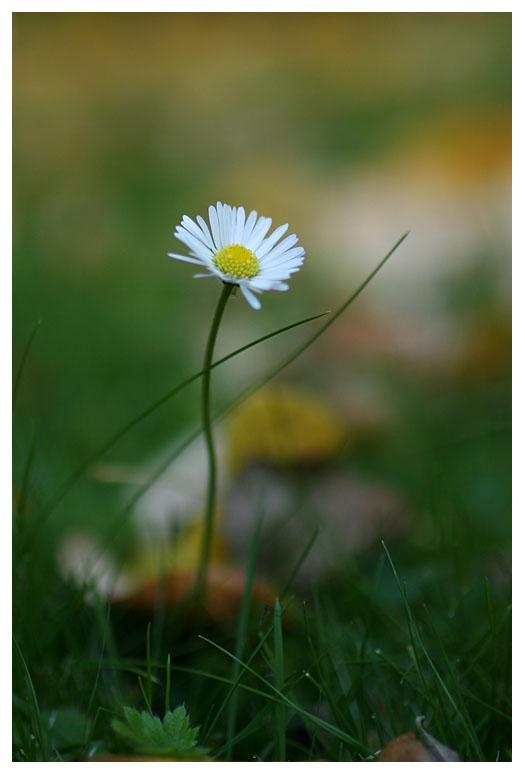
x: 146, y: 733
x: 177, y: 729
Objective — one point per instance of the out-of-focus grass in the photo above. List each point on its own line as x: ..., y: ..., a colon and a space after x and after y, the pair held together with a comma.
x: 343, y: 125
x: 124, y: 122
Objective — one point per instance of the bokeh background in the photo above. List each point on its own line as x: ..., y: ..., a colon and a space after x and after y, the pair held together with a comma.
x: 353, y: 128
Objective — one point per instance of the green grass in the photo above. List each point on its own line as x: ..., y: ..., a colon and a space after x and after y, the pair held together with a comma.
x: 420, y: 628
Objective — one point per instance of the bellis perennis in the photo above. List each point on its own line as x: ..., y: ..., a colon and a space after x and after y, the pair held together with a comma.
x: 237, y: 250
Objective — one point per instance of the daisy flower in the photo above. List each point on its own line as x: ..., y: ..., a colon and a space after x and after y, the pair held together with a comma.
x: 237, y: 250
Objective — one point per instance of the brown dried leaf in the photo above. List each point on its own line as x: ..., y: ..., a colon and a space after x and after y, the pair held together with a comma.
x: 439, y: 751
x: 224, y: 591
x: 406, y: 748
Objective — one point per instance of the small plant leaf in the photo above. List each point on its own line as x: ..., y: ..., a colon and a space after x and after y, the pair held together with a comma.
x: 177, y: 729
x: 146, y: 733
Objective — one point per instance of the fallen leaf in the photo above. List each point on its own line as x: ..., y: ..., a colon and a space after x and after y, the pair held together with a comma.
x: 439, y: 751
x: 283, y: 425
x: 224, y: 592
x: 406, y: 748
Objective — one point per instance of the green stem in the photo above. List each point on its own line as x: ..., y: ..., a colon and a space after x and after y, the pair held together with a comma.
x: 208, y: 437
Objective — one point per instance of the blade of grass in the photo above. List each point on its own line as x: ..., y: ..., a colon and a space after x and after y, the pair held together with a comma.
x: 279, y: 711
x: 144, y: 692
x: 336, y: 708
x: 487, y: 643
x: 260, y: 647
x: 168, y: 685
x: 409, y: 617
x: 237, y: 682
x: 23, y: 361
x: 256, y: 727
x: 137, y: 671
x: 458, y: 689
x: 39, y: 732
x: 297, y: 566
x: 25, y: 486
x: 157, y: 625
x: 494, y: 650
x: 317, y: 658
x: 242, y: 627
x: 105, y: 626
x: 493, y: 708
x: 148, y: 663
x: 89, y: 726
x: 403, y: 675
x: 315, y: 731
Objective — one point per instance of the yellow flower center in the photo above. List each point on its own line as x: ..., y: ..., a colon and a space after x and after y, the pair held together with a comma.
x: 237, y: 261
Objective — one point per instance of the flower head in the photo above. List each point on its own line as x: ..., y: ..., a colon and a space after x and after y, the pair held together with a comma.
x: 235, y: 249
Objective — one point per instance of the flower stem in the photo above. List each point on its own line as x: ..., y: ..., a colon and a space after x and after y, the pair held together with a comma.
x: 208, y: 437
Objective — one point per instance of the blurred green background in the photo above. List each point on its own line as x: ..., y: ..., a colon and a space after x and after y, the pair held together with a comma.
x: 351, y: 127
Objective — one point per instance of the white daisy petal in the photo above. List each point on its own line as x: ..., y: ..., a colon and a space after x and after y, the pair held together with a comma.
x: 279, y: 261
x: 239, y: 226
x: 197, y: 231
x: 233, y: 224
x: 250, y: 297
x: 185, y: 258
x: 215, y: 229
x: 192, y: 242
x: 237, y: 250
x: 268, y: 284
x: 227, y: 224
x: 284, y: 274
x: 293, y: 253
x: 221, y: 215
x: 282, y: 247
x: 204, y: 226
x: 248, y: 227
x: 218, y: 210
x: 270, y: 241
x: 259, y: 233
x: 231, y: 220
x: 281, y: 265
